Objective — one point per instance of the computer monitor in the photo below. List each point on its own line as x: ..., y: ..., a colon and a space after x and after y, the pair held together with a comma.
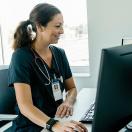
x: 113, y: 104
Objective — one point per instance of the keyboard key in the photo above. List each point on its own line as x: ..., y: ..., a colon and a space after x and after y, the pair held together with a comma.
x: 88, y: 115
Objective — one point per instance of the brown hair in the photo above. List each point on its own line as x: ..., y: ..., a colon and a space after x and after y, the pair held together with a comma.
x: 41, y: 14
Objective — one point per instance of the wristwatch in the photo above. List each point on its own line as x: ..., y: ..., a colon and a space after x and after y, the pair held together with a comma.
x: 50, y: 123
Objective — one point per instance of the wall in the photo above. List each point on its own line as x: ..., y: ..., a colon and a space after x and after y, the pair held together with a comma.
x: 108, y: 22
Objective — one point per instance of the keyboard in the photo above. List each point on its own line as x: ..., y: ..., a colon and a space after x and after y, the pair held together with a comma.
x: 89, y: 114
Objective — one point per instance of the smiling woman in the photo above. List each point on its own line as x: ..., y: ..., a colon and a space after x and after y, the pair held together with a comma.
x: 39, y: 73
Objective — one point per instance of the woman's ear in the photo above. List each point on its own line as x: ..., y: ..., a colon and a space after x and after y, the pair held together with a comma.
x: 40, y: 28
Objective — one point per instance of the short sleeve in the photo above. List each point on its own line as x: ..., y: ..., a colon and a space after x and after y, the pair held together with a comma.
x: 66, y: 66
x: 19, y: 69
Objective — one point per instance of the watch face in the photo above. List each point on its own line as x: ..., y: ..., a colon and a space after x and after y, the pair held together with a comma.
x: 50, y: 123
x: 129, y: 125
x: 48, y: 126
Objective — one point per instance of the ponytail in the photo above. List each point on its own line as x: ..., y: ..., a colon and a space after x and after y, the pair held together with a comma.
x: 24, y: 35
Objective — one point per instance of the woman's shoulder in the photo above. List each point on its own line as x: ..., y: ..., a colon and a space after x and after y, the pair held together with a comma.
x: 57, y: 49
x: 22, y: 54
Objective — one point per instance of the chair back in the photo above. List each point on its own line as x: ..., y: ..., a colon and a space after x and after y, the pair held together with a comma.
x: 7, y: 94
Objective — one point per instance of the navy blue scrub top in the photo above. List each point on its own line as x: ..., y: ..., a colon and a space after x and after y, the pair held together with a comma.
x: 23, y: 69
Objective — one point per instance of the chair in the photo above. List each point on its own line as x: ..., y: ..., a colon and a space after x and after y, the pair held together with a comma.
x: 7, y: 98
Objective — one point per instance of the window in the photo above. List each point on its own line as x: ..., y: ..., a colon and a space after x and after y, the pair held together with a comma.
x: 74, y: 40
x: 1, y: 47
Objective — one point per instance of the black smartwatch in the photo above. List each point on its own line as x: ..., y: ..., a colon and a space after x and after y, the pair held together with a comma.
x: 50, y: 123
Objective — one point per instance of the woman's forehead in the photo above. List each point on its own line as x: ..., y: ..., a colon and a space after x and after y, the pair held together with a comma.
x: 58, y: 18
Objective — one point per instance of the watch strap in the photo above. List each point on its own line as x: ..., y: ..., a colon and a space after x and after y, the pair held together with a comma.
x: 50, y: 123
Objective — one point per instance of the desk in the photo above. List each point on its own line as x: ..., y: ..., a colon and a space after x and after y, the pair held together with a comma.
x: 84, y: 99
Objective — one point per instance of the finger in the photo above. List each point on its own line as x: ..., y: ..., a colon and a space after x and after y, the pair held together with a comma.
x: 63, y: 113
x: 69, y: 129
x: 71, y: 111
x: 80, y: 125
x: 68, y: 112
x: 59, y: 111
x: 74, y: 126
x: 77, y: 129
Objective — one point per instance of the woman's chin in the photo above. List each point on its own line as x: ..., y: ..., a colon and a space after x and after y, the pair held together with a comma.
x: 56, y: 41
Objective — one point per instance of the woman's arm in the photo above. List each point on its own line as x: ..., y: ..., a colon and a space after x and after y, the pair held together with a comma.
x: 66, y: 108
x: 71, y: 91
x: 25, y: 103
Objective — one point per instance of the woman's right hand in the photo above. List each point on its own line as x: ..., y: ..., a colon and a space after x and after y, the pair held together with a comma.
x: 69, y: 126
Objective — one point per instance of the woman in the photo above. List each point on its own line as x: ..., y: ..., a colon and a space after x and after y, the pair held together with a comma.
x: 39, y: 72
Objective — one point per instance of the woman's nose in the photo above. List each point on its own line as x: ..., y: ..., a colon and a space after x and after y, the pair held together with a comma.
x: 61, y: 30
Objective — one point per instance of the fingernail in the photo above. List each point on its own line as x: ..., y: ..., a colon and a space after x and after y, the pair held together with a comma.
x: 67, y: 116
x: 56, y: 116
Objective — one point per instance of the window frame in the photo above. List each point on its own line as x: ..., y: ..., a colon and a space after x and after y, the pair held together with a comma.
x: 1, y: 46
x: 79, y: 71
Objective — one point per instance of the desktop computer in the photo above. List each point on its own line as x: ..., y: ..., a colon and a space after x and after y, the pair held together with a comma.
x: 113, y: 104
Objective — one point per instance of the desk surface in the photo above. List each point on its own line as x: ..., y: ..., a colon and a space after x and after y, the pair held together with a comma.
x: 84, y: 99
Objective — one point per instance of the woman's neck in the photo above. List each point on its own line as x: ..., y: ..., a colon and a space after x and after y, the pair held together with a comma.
x: 44, y: 52
x: 41, y: 48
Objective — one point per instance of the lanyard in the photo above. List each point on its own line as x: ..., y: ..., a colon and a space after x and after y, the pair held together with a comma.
x: 37, y: 60
x: 60, y: 76
x: 47, y: 76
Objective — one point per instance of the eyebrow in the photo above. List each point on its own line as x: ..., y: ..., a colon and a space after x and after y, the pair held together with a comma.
x: 59, y: 23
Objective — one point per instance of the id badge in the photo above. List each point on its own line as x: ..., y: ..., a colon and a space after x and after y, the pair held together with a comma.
x: 56, y: 90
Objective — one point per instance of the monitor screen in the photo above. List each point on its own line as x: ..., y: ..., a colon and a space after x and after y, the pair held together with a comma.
x: 113, y: 105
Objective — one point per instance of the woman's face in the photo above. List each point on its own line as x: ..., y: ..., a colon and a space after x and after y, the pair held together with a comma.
x: 51, y: 33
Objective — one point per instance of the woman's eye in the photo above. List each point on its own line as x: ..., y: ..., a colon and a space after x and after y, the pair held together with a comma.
x: 58, y: 26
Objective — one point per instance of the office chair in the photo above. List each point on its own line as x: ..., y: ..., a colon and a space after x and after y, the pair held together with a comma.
x: 7, y: 98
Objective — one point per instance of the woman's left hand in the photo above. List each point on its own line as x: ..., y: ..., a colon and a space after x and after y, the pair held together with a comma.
x: 64, y: 110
